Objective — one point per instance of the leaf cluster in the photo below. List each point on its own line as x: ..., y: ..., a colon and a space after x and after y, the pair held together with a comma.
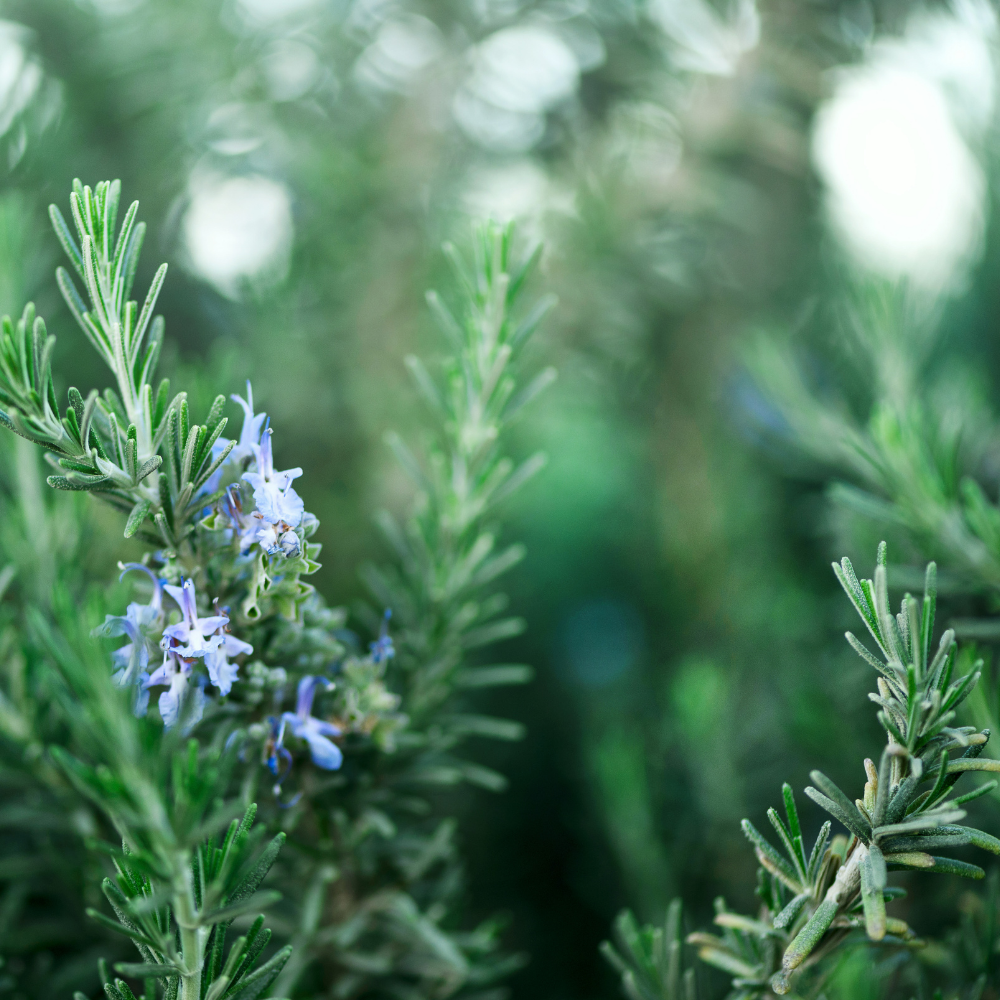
x: 815, y: 901
x: 225, y: 878
x: 650, y: 960
x: 445, y: 608
x: 373, y: 880
x: 113, y: 444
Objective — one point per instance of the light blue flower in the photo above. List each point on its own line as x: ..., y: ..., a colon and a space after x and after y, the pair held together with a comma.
x: 314, y: 731
x: 382, y: 648
x: 252, y: 427
x: 203, y: 638
x: 277, y: 757
x: 191, y: 636
x: 155, y: 605
x: 244, y: 448
x: 176, y: 674
x: 244, y: 526
x: 274, y: 538
x: 132, y: 660
x: 221, y: 672
x: 277, y: 503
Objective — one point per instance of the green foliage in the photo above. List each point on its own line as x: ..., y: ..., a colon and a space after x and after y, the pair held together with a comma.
x: 675, y: 192
x: 391, y: 866
x: 371, y: 871
x: 651, y: 959
x: 446, y: 552
x: 48, y: 875
x: 224, y: 889
x: 908, y: 457
x: 812, y: 901
x: 172, y: 96
x: 177, y: 889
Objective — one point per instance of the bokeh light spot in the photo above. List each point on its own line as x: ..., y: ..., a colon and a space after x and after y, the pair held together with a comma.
x: 238, y: 231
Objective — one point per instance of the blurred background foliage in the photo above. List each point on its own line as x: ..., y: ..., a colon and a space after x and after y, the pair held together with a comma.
x: 728, y: 193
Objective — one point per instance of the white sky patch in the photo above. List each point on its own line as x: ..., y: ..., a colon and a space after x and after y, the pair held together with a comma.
x: 904, y: 191
x: 238, y: 231
x: 518, y: 74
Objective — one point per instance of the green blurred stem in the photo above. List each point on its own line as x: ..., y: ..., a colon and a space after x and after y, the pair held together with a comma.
x: 192, y: 934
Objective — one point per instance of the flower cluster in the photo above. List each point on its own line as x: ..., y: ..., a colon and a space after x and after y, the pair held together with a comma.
x: 278, y: 510
x: 256, y: 545
x: 241, y: 653
x: 194, y: 639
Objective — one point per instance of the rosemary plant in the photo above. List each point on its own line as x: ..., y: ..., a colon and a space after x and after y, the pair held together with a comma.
x: 383, y: 922
x: 46, y: 538
x: 912, y: 461
x: 262, y: 694
x: 182, y: 876
x: 818, y: 898
x: 912, y: 457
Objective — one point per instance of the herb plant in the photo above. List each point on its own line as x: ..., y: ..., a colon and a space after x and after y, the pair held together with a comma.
x: 818, y: 897
x: 233, y: 729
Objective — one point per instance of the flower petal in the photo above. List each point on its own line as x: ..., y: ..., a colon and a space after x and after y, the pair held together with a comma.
x: 234, y: 646
x: 221, y: 672
x: 305, y: 694
x: 325, y: 754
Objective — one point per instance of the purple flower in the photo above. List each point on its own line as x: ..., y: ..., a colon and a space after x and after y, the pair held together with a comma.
x: 314, y: 731
x: 221, y: 672
x: 276, y: 501
x: 252, y: 427
x: 244, y: 526
x: 132, y: 660
x: 191, y: 636
x: 176, y: 673
x: 382, y: 648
